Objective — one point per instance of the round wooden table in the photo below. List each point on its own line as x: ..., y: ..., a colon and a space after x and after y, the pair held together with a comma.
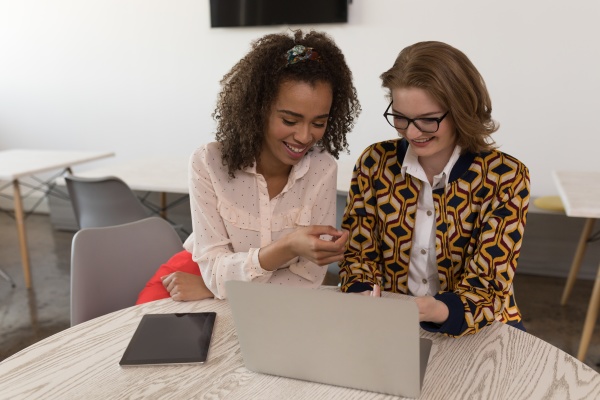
x: 82, y: 362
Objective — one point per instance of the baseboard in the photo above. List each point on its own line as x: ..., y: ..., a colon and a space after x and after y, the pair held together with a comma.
x: 549, y: 245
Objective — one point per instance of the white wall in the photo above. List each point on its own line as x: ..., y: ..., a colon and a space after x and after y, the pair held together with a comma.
x: 141, y: 76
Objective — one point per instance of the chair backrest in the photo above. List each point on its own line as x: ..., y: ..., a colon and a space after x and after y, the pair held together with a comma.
x: 103, y: 201
x: 111, y: 265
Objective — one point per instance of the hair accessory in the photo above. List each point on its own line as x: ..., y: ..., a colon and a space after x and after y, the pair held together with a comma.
x: 300, y: 53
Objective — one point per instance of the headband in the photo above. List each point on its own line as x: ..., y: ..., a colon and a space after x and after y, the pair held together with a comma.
x: 300, y: 53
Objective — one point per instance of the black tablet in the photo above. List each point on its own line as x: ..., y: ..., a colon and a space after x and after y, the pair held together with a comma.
x: 170, y: 339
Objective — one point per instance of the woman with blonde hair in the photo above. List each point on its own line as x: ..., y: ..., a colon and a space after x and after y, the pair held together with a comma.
x: 438, y: 213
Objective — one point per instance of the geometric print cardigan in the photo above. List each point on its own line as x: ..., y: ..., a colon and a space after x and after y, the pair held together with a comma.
x: 480, y: 218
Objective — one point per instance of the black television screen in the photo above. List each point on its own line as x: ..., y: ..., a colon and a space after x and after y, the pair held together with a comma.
x: 227, y: 13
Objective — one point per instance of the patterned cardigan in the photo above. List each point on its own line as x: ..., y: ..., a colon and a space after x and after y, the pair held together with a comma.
x: 480, y: 218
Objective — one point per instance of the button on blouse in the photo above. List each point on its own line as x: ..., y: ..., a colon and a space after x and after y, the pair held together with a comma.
x: 422, y: 271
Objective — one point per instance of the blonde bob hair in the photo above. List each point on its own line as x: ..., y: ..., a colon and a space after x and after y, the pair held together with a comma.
x: 451, y: 80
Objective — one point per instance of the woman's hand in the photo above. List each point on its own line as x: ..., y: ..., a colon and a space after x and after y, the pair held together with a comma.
x: 432, y: 310
x: 376, y: 292
x: 306, y: 242
x: 183, y: 286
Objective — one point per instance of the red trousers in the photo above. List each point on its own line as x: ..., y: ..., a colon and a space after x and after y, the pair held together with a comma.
x: 154, y: 289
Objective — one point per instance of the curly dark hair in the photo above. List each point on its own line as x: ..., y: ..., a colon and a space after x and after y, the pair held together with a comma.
x: 250, y: 88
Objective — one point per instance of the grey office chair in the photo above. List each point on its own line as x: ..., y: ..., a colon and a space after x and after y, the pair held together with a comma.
x: 103, y: 201
x: 111, y: 265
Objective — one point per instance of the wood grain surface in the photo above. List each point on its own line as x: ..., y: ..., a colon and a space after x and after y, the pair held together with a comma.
x: 82, y: 362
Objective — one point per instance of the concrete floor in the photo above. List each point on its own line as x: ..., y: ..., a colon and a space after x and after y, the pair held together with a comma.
x: 27, y: 316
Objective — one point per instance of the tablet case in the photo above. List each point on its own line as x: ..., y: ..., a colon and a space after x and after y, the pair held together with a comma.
x: 182, y: 338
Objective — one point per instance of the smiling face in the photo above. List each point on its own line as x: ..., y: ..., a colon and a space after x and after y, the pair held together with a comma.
x: 297, y: 120
x: 433, y: 149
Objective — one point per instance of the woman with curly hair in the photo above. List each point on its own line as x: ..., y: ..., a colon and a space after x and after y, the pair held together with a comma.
x: 438, y: 213
x: 263, y: 196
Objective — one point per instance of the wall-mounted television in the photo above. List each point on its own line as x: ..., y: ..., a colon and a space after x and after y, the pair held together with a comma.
x: 229, y: 13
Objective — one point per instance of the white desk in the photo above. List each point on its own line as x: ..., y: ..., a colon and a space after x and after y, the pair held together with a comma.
x: 152, y: 174
x: 18, y: 164
x: 580, y: 194
x: 83, y: 362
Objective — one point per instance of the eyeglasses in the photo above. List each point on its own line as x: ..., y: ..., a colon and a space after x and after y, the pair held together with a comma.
x: 425, y: 125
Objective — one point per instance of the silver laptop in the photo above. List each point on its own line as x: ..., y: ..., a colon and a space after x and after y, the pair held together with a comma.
x: 330, y: 337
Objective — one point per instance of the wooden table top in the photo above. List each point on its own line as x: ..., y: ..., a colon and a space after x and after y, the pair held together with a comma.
x: 499, y: 362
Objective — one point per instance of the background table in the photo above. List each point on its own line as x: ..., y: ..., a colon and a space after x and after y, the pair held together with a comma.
x: 21, y: 163
x: 500, y: 362
x: 580, y: 194
x: 161, y: 174
x: 152, y: 174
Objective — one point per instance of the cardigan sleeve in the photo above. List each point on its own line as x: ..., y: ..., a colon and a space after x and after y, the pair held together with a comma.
x: 359, y: 270
x: 485, y: 285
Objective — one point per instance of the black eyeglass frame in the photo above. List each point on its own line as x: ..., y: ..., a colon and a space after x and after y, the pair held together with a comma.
x: 412, y: 120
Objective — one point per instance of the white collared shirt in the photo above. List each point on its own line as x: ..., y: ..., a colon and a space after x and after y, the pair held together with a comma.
x: 233, y: 218
x: 423, y: 277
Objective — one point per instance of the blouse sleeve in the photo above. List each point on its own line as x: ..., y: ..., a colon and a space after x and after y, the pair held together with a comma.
x: 212, y: 248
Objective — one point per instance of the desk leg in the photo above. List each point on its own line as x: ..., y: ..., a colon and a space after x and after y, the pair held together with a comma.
x: 590, y: 319
x: 20, y: 219
x: 585, y: 235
